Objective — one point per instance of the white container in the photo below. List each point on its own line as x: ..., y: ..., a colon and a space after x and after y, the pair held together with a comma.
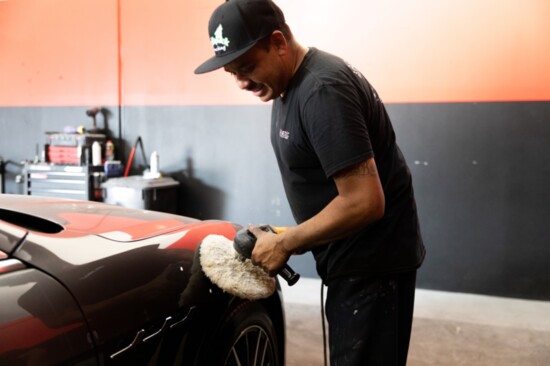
x: 138, y: 192
x: 96, y: 153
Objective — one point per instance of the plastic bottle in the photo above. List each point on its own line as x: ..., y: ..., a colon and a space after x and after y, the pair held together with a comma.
x: 154, y: 162
x: 96, y: 153
x: 109, y: 151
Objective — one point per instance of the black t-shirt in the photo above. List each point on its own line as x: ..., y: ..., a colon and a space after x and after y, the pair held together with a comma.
x: 331, y: 118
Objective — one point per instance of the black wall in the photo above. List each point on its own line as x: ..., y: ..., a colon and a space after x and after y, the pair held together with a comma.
x: 481, y: 173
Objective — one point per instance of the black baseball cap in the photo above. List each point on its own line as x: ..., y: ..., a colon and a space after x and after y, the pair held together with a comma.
x: 236, y: 26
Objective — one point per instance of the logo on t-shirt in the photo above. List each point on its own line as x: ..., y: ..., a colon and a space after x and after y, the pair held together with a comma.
x: 284, y: 134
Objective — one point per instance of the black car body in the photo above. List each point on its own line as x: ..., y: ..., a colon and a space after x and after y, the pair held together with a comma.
x: 86, y: 283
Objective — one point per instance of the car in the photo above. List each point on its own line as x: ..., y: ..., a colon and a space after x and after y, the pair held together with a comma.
x: 90, y: 283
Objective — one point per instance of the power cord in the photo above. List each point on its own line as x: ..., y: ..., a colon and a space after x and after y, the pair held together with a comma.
x: 323, y: 322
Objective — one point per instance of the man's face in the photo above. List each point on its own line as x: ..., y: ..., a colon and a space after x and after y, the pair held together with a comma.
x: 259, y: 71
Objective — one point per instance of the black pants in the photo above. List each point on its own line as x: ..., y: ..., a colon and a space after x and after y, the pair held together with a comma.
x: 370, y: 319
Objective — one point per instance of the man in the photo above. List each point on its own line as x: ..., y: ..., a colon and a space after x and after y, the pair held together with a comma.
x: 345, y: 178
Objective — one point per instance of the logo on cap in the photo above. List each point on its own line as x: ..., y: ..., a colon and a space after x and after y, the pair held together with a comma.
x: 219, y: 42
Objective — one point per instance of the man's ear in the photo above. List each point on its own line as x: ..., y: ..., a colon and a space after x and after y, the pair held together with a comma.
x: 279, y: 41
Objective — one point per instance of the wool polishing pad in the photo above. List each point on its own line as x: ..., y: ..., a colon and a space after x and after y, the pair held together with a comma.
x: 224, y: 267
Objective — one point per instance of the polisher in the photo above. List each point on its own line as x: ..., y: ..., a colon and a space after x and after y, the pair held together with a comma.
x: 245, y: 241
x: 227, y: 264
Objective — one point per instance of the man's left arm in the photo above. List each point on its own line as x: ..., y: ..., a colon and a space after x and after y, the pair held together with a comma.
x: 360, y: 202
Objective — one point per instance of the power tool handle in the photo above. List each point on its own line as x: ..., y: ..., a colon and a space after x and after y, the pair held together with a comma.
x: 289, y: 275
x: 286, y: 273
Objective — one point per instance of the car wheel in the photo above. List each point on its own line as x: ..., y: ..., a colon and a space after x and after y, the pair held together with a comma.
x: 247, y: 337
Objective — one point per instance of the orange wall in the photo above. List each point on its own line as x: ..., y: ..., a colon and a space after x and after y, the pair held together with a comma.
x: 65, y: 52
x: 58, y: 52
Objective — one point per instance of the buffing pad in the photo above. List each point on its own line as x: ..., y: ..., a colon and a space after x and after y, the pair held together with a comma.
x: 224, y: 267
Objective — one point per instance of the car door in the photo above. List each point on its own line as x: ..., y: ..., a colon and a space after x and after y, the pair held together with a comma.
x: 40, y: 323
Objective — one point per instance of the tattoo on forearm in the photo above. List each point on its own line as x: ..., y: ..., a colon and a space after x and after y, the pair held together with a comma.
x: 367, y: 167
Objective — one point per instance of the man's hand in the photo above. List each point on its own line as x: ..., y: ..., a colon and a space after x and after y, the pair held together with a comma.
x: 269, y: 253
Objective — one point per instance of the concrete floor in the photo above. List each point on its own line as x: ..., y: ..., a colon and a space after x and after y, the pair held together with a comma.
x: 449, y: 329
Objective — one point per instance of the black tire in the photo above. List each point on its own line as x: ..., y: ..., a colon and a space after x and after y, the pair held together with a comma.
x: 247, y: 337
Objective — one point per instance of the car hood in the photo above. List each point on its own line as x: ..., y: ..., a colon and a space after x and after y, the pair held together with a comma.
x: 64, y: 218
